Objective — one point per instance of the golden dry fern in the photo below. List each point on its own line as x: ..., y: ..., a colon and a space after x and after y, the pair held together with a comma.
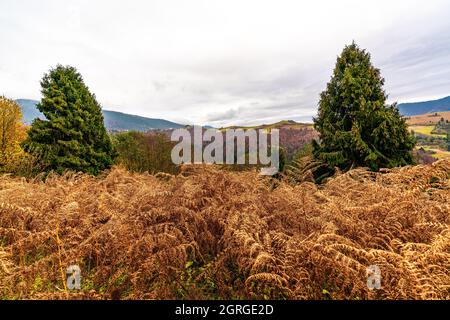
x: 209, y: 233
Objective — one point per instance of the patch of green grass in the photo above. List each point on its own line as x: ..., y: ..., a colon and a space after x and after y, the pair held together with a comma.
x: 438, y: 153
x: 426, y: 130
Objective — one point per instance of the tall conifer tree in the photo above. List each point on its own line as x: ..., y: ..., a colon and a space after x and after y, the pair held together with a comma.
x: 73, y: 136
x: 356, y: 125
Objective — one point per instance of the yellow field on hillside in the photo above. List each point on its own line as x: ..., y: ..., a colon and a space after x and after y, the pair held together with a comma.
x: 426, y: 130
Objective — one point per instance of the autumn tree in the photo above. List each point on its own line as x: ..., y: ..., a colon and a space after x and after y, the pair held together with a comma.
x: 12, y: 131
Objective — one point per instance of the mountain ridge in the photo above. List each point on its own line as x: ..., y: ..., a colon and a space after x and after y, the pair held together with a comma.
x: 120, y: 121
x: 114, y: 121
x: 424, y: 107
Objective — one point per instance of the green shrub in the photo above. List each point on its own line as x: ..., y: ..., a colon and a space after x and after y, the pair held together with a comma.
x: 144, y: 152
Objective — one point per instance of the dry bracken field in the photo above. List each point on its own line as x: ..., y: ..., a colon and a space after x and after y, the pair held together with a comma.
x: 213, y: 234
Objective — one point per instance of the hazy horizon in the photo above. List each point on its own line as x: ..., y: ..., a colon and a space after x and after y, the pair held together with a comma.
x: 222, y: 63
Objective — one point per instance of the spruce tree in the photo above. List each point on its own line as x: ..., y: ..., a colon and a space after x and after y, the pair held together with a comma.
x: 73, y: 136
x: 357, y: 127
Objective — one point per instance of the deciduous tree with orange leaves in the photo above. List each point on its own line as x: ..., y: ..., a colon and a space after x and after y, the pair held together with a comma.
x: 12, y: 132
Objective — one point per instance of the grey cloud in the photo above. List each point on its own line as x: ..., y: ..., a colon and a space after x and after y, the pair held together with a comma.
x: 216, y: 61
x: 221, y: 116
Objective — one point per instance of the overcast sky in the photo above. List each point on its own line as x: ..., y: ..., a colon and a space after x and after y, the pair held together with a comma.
x: 222, y: 62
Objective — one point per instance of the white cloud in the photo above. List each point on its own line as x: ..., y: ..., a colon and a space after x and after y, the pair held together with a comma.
x: 197, y: 60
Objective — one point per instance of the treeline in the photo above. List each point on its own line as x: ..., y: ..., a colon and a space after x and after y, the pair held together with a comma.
x: 439, y: 138
x: 443, y: 128
x: 144, y: 152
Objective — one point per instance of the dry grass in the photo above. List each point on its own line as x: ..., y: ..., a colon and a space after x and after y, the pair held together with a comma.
x: 213, y: 234
x: 428, y: 119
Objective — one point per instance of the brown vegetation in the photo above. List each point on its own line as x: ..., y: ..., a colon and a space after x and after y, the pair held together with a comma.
x: 428, y: 119
x: 206, y: 233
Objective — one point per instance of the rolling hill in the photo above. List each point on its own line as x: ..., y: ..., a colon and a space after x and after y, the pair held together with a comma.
x: 428, y: 119
x: 114, y: 121
x: 416, y: 108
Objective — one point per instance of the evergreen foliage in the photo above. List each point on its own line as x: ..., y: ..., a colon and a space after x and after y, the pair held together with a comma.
x: 73, y: 136
x: 357, y: 127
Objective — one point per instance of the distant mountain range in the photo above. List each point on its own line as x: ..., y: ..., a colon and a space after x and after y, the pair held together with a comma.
x: 114, y: 121
x: 118, y: 121
x: 417, y: 108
